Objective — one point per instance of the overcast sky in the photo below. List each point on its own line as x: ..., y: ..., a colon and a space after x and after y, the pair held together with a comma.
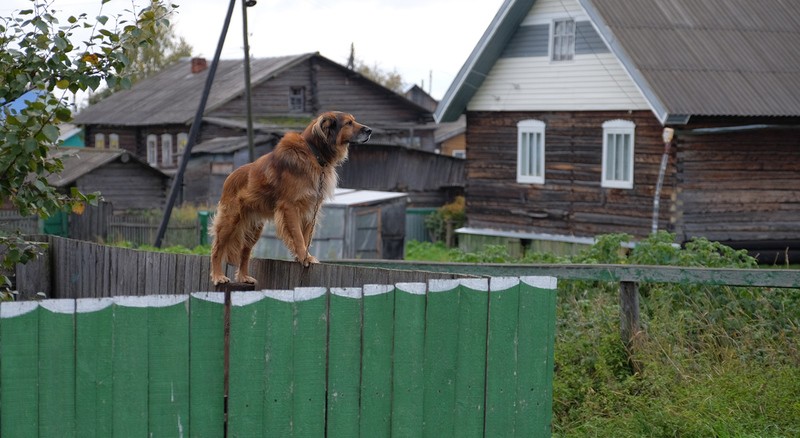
x: 416, y: 38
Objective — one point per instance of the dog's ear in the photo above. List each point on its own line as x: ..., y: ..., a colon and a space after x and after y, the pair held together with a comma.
x: 326, y: 128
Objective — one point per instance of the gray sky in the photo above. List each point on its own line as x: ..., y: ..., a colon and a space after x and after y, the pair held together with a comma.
x: 413, y: 37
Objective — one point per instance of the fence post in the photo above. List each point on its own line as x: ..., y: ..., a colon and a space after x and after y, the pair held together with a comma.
x: 629, y: 318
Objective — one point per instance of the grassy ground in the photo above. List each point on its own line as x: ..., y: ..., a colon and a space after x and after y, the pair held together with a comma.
x: 712, y: 361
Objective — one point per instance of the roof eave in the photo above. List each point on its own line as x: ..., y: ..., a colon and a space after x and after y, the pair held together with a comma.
x: 481, y: 60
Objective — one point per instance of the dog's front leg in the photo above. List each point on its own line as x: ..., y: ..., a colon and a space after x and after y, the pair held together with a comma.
x: 288, y: 224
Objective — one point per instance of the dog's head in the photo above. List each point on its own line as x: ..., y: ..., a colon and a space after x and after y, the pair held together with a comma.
x: 333, y: 131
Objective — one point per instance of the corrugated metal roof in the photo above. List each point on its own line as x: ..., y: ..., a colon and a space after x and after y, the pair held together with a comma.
x: 172, y: 96
x: 688, y: 57
x: 710, y: 57
x: 80, y: 161
x: 353, y: 197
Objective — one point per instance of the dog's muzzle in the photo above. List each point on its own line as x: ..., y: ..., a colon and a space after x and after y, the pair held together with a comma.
x: 364, y: 134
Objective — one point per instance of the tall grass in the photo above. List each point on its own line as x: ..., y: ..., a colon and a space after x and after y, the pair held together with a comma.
x: 712, y: 361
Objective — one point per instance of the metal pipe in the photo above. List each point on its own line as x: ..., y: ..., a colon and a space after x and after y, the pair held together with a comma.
x: 194, y: 131
x: 248, y: 99
x: 667, y: 137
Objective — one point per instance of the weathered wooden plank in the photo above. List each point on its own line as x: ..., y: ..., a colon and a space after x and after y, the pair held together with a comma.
x: 637, y: 273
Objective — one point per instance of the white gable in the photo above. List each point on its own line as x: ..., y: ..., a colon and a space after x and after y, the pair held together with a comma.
x: 590, y: 81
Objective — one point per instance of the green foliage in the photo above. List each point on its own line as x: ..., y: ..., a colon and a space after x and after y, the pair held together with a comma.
x: 428, y: 251
x: 38, y: 53
x: 164, y: 48
x: 454, y: 213
x: 712, y: 360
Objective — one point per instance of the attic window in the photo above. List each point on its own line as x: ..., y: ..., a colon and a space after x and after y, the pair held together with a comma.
x: 563, y: 41
x: 297, y: 99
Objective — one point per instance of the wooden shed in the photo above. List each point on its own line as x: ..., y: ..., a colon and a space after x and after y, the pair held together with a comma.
x: 356, y: 224
x: 121, y: 178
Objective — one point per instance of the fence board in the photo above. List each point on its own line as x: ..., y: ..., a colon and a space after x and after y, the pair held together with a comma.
x: 309, y: 343
x: 344, y: 362
x: 19, y: 369
x: 57, y: 368
x: 409, y: 353
x: 441, y: 355
x: 536, y: 337
x: 129, y: 356
x: 93, y: 379
x: 471, y: 358
x: 278, y: 373
x: 502, y: 345
x: 168, y: 361
x: 247, y: 362
x: 206, y: 401
x: 376, y: 362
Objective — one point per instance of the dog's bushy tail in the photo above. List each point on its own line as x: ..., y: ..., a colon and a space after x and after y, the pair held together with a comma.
x: 227, y: 236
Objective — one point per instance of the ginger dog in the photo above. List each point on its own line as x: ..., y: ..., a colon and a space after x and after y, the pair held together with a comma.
x: 287, y: 186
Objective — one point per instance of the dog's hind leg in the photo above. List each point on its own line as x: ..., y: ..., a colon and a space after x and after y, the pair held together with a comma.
x: 224, y: 249
x: 250, y: 239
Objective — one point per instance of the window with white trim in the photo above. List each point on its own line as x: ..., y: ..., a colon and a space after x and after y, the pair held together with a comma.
x: 166, y: 150
x: 100, y: 141
x: 113, y: 141
x: 562, y: 43
x: 530, y: 151
x: 152, y: 149
x: 618, y: 141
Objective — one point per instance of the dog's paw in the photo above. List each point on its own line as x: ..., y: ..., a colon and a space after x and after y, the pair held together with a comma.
x: 245, y: 279
x: 307, y: 261
x: 220, y: 280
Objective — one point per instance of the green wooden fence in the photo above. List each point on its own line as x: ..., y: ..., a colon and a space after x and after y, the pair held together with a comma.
x: 447, y: 358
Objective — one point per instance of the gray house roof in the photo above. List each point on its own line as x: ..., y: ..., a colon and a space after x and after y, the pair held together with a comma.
x: 689, y: 57
x: 172, y: 96
x: 81, y: 161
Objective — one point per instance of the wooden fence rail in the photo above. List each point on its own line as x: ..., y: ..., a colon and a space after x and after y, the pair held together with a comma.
x: 469, y: 357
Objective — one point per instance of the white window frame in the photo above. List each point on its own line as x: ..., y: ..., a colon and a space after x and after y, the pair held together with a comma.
x: 166, y: 150
x: 152, y: 149
x: 618, y: 150
x: 113, y: 141
x: 558, y: 51
x: 530, y: 151
x: 100, y: 141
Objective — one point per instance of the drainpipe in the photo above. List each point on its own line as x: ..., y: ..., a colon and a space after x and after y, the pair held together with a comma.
x: 667, y: 137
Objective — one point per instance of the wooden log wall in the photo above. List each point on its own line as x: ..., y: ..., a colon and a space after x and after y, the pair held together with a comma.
x: 571, y: 201
x: 740, y: 186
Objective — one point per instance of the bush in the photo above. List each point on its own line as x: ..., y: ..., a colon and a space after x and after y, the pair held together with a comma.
x: 453, y: 213
x: 713, y: 360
